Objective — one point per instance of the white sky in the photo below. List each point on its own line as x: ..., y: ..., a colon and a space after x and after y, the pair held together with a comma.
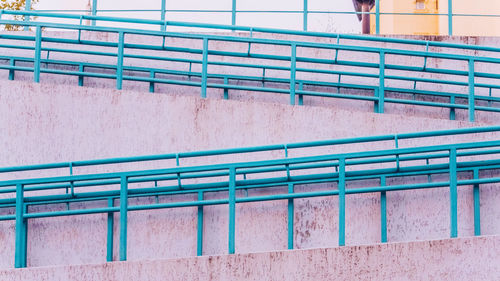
x: 317, y: 22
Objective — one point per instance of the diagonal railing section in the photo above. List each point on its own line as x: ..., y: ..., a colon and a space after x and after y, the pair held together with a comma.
x: 362, y: 69
x: 462, y: 164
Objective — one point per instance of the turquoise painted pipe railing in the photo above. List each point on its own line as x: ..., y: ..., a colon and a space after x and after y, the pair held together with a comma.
x: 303, y: 80
x: 305, y: 12
x: 468, y: 160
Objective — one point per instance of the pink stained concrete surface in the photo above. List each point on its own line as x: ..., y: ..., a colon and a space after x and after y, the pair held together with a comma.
x: 42, y: 123
x: 475, y: 258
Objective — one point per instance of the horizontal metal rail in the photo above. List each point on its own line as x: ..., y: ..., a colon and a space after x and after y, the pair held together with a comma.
x: 305, y: 12
x: 251, y: 30
x: 457, y: 160
x: 285, y: 149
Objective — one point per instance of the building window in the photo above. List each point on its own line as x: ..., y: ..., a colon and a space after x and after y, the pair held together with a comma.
x: 420, y: 5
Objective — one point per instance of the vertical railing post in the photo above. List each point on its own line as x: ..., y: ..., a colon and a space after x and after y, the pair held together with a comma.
x: 21, y: 236
x: 177, y: 164
x: 12, y: 72
x: 204, y: 68
x: 453, y: 194
x: 452, y: 110
x: 109, y: 244
x: 293, y: 72
x: 306, y: 12
x: 123, y: 217
x: 450, y: 17
x: 477, y: 209
x: 199, y: 248
x: 119, y: 65
x: 381, y: 89
x: 163, y: 11
x: 226, y: 90
x: 375, y: 103
x: 152, y: 75
x: 377, y: 16
x: 301, y: 97
x: 232, y: 209
x: 383, y: 211
x: 233, y: 13
x: 25, y: 238
x: 81, y: 69
x: 38, y: 53
x: 94, y: 11
x: 341, y: 188
x: 290, y: 217
x: 472, y: 102
x: 27, y: 8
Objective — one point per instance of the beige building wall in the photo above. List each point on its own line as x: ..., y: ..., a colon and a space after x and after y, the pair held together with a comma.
x: 438, y: 25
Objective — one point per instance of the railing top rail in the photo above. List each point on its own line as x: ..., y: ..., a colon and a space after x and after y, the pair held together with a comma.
x: 252, y: 164
x: 416, y: 135
x: 254, y: 29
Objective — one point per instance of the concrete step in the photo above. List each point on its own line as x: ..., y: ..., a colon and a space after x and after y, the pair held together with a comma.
x: 474, y: 258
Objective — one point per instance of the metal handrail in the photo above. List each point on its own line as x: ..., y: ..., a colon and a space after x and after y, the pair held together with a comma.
x: 288, y: 85
x: 461, y: 158
x: 162, y: 24
x: 285, y: 148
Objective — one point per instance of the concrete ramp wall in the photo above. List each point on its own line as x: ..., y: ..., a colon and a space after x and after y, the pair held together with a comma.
x: 43, y: 123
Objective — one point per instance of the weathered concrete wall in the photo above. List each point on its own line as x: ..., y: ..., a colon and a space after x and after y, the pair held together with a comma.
x: 365, y: 106
x: 450, y: 259
x: 43, y: 123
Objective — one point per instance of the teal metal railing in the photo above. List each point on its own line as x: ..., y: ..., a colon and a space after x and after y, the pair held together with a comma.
x: 376, y: 76
x: 305, y: 12
x: 465, y: 164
